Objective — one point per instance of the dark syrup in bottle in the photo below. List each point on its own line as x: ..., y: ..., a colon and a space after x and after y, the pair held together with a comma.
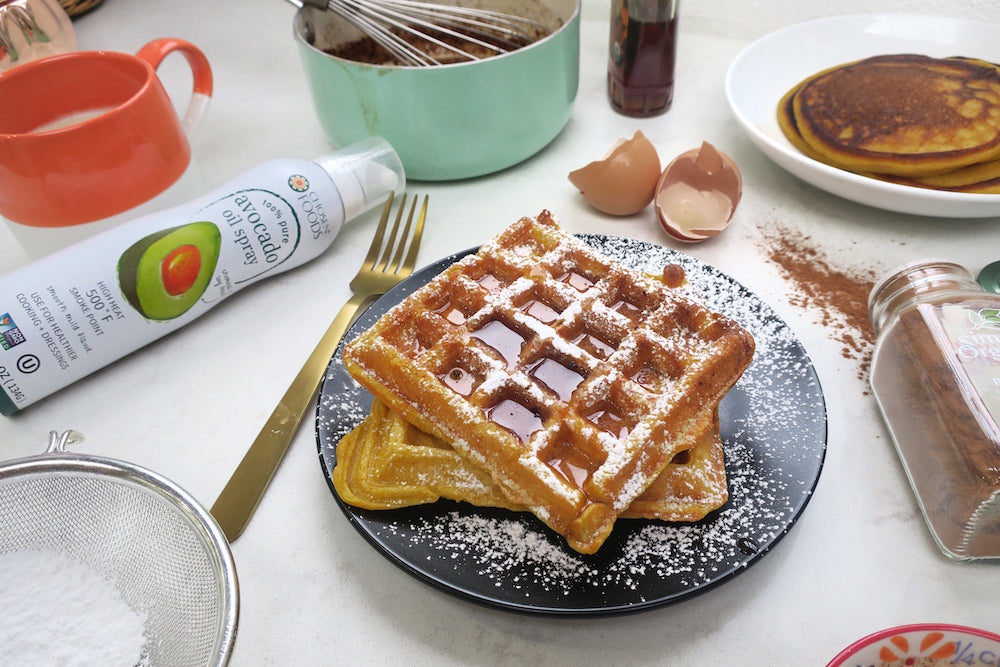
x: 641, y: 54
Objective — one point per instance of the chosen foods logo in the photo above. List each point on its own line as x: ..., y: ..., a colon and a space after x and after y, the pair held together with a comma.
x: 298, y: 182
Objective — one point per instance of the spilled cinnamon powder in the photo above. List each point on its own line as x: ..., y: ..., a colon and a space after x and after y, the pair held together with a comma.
x: 839, y: 294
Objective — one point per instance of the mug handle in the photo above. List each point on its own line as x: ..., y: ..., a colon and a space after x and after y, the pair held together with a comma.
x: 158, y: 49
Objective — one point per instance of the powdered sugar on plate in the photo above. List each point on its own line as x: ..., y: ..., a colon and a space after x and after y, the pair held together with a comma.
x: 773, y: 427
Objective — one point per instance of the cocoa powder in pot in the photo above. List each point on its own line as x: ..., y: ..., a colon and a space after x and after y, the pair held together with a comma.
x: 839, y: 294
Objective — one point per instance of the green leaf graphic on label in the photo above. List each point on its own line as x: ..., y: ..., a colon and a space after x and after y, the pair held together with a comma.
x: 985, y: 318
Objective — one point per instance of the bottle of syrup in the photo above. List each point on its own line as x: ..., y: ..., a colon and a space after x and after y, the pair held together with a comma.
x: 641, y: 53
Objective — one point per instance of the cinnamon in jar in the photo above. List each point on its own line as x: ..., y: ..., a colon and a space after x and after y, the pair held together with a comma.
x: 936, y: 376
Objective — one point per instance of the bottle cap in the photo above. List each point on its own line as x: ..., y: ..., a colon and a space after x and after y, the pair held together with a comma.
x: 364, y: 173
x: 989, y: 278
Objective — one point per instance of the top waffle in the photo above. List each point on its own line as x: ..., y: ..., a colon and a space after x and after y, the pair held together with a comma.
x: 537, y: 355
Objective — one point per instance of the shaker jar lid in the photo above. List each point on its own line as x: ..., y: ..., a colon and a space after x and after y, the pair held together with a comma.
x: 989, y: 277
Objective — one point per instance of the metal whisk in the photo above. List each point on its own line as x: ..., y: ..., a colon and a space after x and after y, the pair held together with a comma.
x: 458, y: 30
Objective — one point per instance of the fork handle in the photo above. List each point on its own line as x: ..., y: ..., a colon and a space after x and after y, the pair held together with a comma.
x: 241, y: 495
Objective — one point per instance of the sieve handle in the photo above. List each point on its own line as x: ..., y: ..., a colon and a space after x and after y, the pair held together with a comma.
x: 58, y: 441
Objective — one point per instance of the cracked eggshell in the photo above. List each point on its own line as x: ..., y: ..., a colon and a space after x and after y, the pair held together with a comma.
x: 698, y: 193
x: 623, y: 182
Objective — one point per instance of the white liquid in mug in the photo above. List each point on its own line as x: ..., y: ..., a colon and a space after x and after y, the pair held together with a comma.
x: 72, y: 119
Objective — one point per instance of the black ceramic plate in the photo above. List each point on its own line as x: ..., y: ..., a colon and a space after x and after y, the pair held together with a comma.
x: 773, y: 426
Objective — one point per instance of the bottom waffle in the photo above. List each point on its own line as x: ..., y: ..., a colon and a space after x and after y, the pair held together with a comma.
x: 386, y: 463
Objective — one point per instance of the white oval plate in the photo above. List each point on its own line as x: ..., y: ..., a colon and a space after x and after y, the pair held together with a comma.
x: 764, y: 71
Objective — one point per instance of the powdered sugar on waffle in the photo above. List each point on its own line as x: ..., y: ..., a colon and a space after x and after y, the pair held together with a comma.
x: 509, y: 300
x: 774, y: 447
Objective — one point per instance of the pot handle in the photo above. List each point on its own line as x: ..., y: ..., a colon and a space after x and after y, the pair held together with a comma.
x: 158, y: 49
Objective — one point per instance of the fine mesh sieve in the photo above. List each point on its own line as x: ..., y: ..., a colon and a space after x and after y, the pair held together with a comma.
x: 164, y: 551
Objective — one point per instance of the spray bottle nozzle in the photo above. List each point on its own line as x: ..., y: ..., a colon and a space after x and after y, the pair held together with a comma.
x: 364, y: 173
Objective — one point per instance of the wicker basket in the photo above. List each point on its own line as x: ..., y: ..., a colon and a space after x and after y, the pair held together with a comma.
x: 77, y: 7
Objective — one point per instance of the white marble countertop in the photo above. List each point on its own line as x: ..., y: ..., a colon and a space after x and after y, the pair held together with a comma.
x: 312, y: 590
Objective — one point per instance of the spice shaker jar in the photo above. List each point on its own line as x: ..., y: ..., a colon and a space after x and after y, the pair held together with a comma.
x: 935, y: 374
x: 642, y: 49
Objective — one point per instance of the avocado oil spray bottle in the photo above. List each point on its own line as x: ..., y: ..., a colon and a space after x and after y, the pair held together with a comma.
x: 66, y: 315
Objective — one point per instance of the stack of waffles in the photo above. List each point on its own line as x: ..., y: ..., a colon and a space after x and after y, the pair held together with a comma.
x: 538, y: 375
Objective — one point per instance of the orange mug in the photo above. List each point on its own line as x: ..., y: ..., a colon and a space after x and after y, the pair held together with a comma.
x: 87, y: 135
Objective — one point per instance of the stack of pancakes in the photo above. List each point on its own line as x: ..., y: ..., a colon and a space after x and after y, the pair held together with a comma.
x: 909, y: 119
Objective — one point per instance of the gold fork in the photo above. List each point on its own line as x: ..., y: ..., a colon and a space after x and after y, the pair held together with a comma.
x: 241, y: 495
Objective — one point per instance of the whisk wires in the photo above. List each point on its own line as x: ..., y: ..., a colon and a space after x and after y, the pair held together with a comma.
x: 460, y: 31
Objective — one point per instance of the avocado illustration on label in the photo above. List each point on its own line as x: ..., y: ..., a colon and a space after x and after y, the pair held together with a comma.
x: 165, y: 273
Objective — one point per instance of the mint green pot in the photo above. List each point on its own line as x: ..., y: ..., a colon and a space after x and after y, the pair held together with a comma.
x: 447, y: 122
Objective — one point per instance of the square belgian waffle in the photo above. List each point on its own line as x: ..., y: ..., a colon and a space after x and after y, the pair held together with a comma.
x: 572, y: 380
